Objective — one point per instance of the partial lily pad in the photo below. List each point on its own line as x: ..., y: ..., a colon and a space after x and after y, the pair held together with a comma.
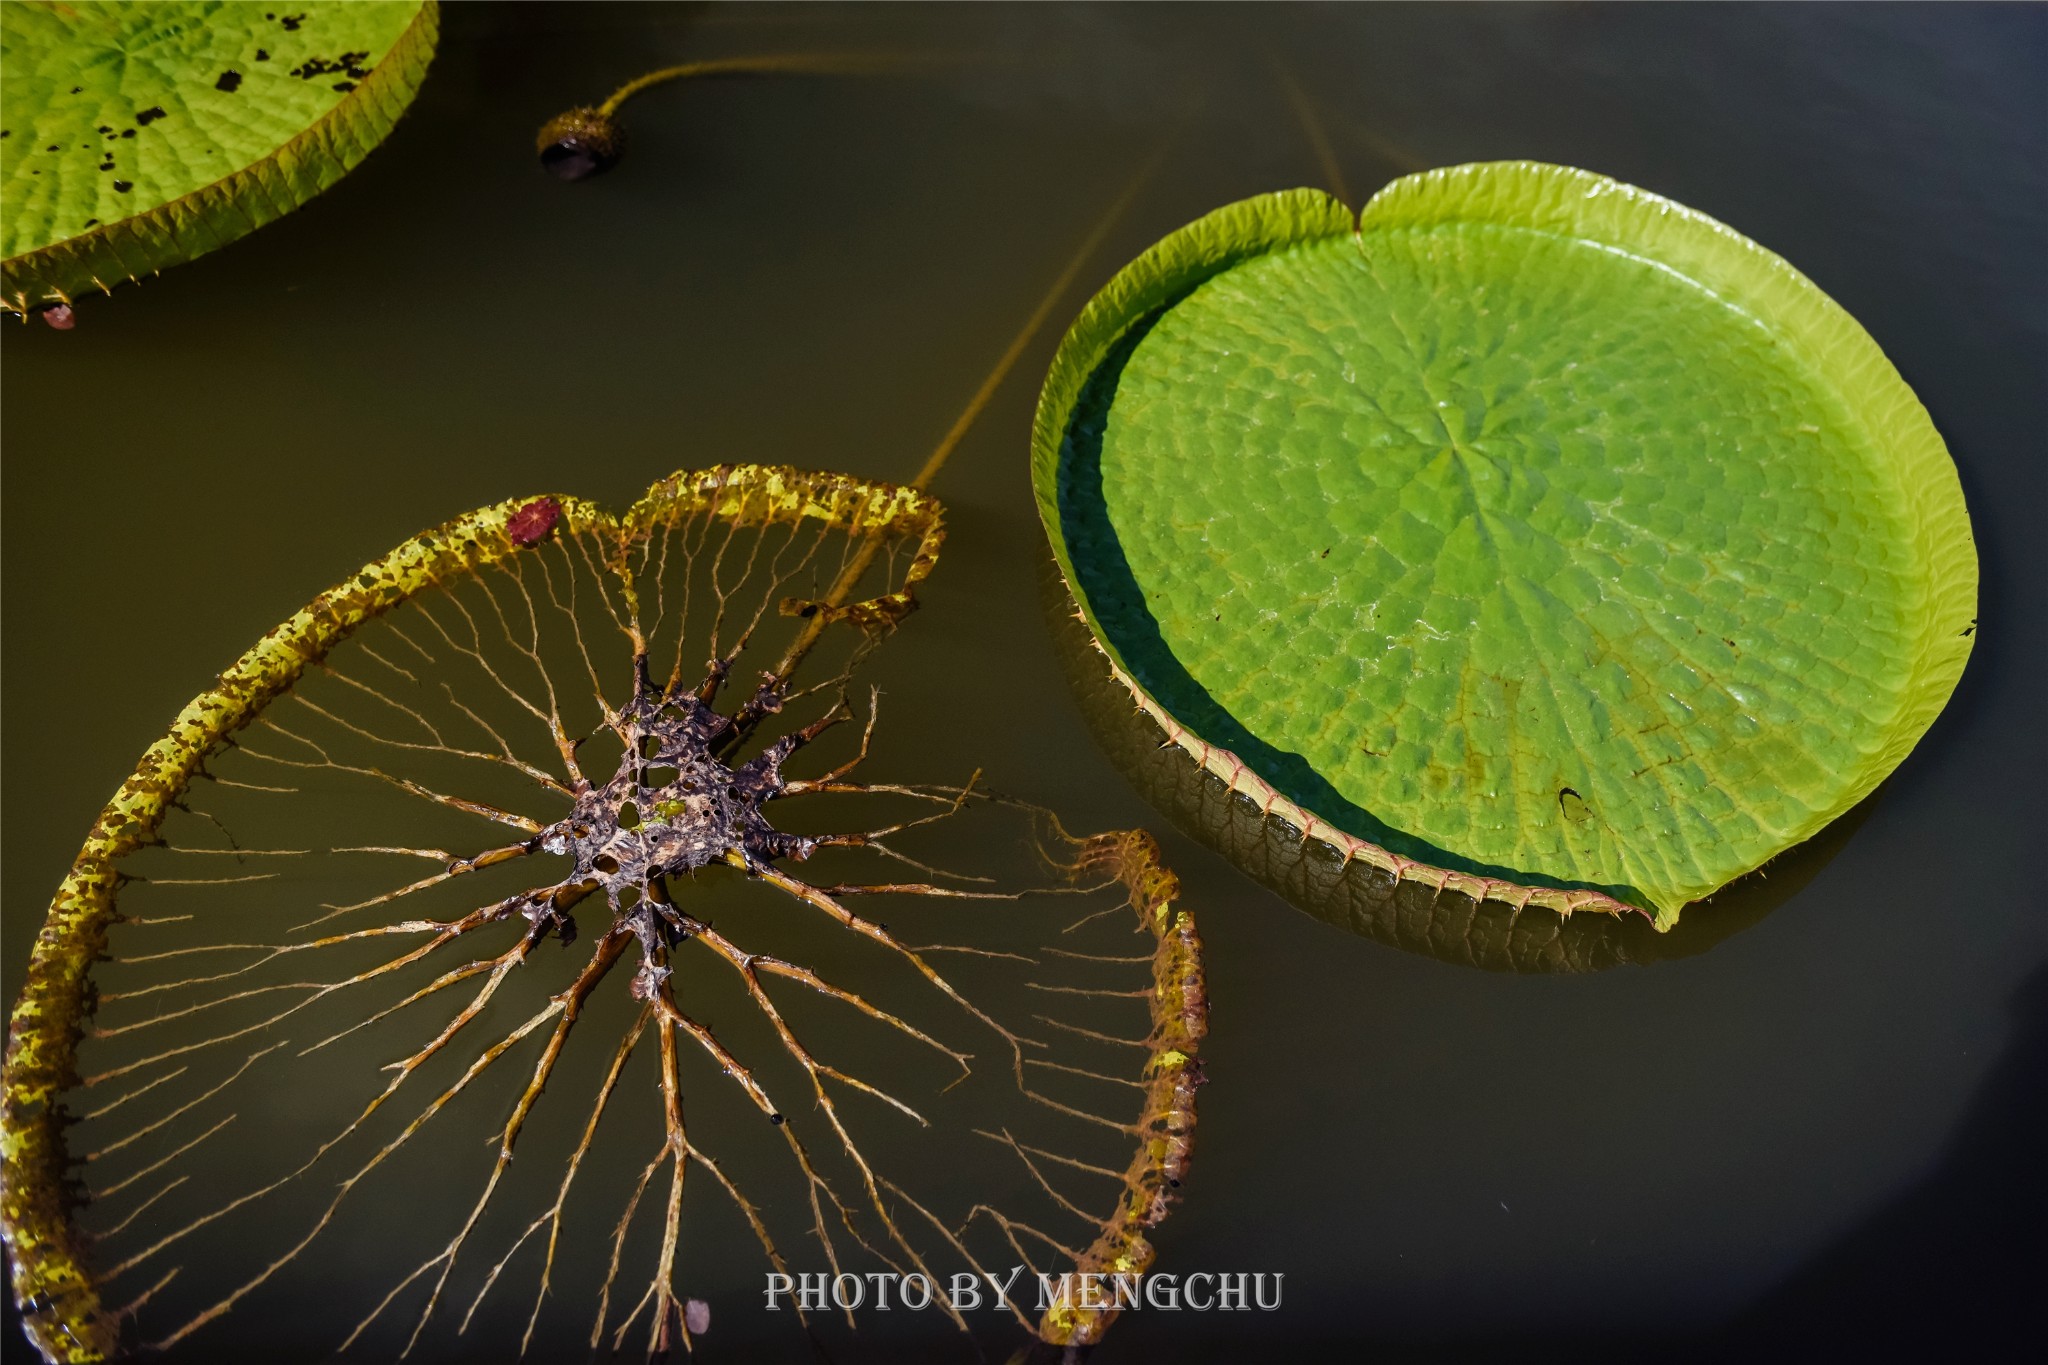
x: 138, y: 136
x: 1535, y: 537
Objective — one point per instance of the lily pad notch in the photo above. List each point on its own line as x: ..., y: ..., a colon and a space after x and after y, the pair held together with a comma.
x: 1530, y: 536
x: 138, y: 137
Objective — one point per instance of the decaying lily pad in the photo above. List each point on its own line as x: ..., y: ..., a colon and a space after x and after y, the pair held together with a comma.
x: 549, y: 799
x: 138, y: 136
x: 1533, y: 537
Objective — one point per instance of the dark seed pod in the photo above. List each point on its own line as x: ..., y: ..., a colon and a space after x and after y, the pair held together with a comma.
x: 581, y: 143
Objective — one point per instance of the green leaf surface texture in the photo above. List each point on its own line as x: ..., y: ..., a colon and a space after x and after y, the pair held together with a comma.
x: 138, y: 136
x: 1537, y: 528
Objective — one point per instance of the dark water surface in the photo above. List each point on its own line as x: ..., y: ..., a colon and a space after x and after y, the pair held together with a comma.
x: 1822, y: 1135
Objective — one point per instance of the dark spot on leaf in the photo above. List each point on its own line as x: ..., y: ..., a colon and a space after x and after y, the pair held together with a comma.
x: 1325, y: 555
x: 314, y: 67
x: 261, y: 55
x: 105, y: 129
x: 51, y: 148
x: 6, y: 132
x: 77, y: 89
x: 291, y: 22
x: 92, y: 222
x: 1968, y: 630
x: 122, y: 186
x: 127, y: 132
x: 358, y: 72
x: 344, y: 86
x: 230, y: 81
x: 150, y: 115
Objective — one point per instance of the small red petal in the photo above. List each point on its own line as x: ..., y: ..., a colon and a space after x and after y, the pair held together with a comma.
x: 530, y: 524
x: 59, y: 316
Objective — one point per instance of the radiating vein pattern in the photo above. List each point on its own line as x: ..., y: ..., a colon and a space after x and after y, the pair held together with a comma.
x: 1510, y: 551
x: 591, y: 854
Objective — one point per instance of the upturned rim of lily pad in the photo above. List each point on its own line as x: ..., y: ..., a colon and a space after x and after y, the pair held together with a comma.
x: 202, y: 220
x: 1583, y: 205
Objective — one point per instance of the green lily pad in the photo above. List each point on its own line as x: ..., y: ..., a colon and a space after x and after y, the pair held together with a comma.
x: 138, y: 136
x: 1488, y: 933
x: 1535, y: 537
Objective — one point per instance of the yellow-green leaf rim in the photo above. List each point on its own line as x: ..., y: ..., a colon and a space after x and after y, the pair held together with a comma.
x: 1531, y: 536
x: 140, y: 135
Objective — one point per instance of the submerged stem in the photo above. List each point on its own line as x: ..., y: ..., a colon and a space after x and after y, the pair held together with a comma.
x: 843, y: 586
x: 788, y: 64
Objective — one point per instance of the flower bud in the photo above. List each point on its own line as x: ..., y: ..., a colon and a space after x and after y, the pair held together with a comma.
x: 581, y: 143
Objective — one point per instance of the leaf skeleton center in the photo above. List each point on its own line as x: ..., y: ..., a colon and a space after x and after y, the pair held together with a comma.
x: 674, y: 806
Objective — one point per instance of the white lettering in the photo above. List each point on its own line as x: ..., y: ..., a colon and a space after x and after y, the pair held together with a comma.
x: 1002, y: 1287
x: 1234, y: 1291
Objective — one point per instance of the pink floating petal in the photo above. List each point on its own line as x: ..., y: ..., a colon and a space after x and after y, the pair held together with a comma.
x: 697, y: 1316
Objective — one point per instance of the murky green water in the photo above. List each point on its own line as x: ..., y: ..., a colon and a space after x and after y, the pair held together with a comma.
x: 1821, y: 1129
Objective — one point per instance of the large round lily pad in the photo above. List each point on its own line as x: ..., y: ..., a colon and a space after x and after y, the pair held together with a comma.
x: 137, y: 136
x: 1534, y: 536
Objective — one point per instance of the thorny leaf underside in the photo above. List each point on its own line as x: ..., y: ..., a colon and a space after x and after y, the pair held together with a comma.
x: 777, y: 1010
